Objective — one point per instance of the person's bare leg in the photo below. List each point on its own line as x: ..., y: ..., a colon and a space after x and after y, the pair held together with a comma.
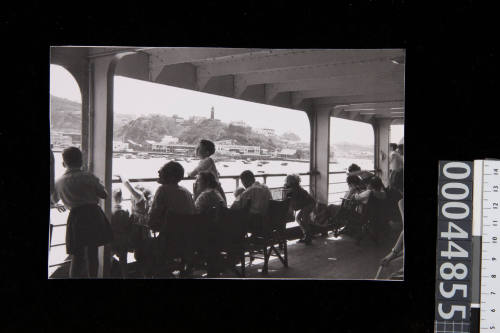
x: 77, y: 266
x: 122, y: 255
x: 93, y: 260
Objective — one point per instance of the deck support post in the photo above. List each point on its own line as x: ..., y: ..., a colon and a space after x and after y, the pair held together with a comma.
x: 382, y: 130
x: 102, y: 71
x: 320, y: 140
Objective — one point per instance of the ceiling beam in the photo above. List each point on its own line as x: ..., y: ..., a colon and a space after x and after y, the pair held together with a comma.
x: 367, y: 98
x: 341, y: 83
x: 353, y: 115
x: 395, y: 105
x: 280, y: 59
x: 321, y: 71
x: 349, y: 91
x: 161, y: 57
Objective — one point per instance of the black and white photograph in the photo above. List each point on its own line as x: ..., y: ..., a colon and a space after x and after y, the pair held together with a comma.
x: 228, y: 163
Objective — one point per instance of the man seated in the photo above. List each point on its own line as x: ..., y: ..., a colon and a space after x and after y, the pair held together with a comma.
x: 364, y: 176
x: 259, y: 196
x: 377, y: 209
x: 170, y: 197
x: 376, y: 187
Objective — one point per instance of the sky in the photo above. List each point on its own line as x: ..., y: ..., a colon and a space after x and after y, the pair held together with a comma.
x: 138, y: 97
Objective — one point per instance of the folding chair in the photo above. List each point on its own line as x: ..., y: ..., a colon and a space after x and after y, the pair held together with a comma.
x: 178, y: 239
x: 375, y: 217
x: 231, y: 228
x: 271, y: 241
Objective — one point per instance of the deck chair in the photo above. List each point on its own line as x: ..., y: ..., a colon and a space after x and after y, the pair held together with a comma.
x: 176, y: 244
x: 349, y: 220
x: 376, y: 216
x: 231, y: 228
x: 272, y: 240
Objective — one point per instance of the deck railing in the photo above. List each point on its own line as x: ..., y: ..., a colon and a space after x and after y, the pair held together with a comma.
x: 236, y: 178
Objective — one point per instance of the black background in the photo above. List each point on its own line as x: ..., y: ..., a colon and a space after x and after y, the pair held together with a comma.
x: 451, y: 103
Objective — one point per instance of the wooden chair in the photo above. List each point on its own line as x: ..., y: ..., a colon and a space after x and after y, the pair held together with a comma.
x: 271, y: 241
x: 374, y: 217
x: 179, y: 238
x: 231, y: 228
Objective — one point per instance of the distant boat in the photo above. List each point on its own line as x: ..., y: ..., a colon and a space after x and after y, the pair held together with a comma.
x: 284, y: 163
x: 264, y: 162
x: 260, y: 171
x: 225, y: 165
x: 260, y: 164
x: 129, y: 156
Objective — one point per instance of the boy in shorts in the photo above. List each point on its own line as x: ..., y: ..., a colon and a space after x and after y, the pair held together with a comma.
x: 87, y: 227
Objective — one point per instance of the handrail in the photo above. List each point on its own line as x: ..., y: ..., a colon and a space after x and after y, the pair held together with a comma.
x: 265, y: 175
x: 235, y: 177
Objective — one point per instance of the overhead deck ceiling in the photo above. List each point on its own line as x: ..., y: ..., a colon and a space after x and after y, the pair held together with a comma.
x: 353, y: 84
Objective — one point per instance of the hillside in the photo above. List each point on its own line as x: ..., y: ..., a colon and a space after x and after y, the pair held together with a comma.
x: 154, y: 127
x: 66, y: 115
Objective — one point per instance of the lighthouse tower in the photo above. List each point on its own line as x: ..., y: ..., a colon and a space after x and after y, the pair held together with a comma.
x: 212, y: 113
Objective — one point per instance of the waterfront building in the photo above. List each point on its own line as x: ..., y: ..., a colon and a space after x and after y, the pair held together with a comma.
x: 266, y: 131
x: 231, y: 147
x: 287, y: 153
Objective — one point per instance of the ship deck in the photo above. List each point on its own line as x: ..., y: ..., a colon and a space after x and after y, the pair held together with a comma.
x: 327, y: 258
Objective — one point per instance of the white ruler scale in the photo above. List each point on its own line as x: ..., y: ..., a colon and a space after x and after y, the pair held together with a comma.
x: 489, y: 320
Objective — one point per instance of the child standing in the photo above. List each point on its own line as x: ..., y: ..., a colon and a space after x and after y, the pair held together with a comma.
x: 303, y: 201
x: 204, y: 150
x: 122, y: 229
x: 139, y: 219
x: 87, y: 227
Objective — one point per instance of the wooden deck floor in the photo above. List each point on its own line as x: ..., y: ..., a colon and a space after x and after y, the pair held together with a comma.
x: 327, y: 258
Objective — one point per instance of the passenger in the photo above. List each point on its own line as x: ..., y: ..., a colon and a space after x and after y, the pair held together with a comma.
x: 238, y: 192
x: 397, y: 250
x: 139, y: 218
x: 209, y: 196
x: 87, y: 226
x: 122, y: 231
x: 301, y: 200
x: 170, y: 197
x: 259, y: 196
x: 378, y: 209
x: 376, y: 187
x: 206, y: 149
x: 365, y: 176
x: 349, y: 213
x: 395, y: 159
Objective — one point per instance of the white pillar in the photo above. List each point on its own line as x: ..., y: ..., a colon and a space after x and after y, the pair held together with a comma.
x: 320, y: 139
x: 101, y: 135
x: 382, y: 129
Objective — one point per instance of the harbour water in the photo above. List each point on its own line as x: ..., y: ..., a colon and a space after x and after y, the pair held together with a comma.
x: 148, y: 168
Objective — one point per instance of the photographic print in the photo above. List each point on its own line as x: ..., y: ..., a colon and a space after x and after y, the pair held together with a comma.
x: 231, y: 163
